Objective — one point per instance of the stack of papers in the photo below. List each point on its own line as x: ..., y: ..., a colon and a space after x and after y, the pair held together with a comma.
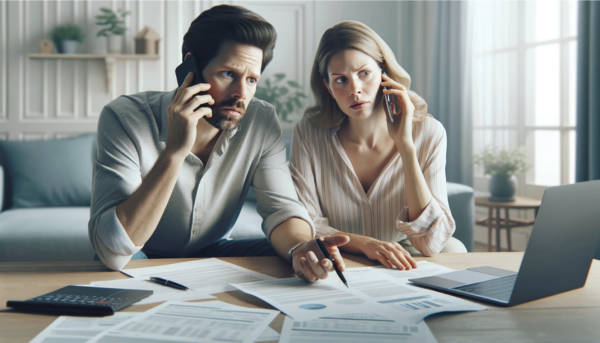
x: 372, y: 290
x: 203, y: 277
x: 354, y: 329
x: 79, y: 329
x: 170, y: 322
x: 380, y: 306
x: 412, y: 304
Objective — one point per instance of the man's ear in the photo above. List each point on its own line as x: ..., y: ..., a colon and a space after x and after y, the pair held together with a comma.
x: 187, y: 55
x: 328, y: 89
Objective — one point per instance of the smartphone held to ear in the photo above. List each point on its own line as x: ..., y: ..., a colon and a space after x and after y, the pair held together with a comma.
x: 190, y: 65
x: 388, y: 101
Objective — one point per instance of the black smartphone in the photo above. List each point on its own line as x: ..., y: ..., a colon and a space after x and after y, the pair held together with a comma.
x: 190, y: 65
x: 388, y: 101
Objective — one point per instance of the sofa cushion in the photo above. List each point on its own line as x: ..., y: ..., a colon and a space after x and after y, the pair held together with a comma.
x: 248, y: 224
x: 1, y: 187
x: 52, y: 173
x: 462, y: 206
x: 45, y: 234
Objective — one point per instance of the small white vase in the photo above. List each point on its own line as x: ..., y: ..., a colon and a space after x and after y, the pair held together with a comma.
x: 100, y: 45
x: 66, y: 46
x: 115, y: 44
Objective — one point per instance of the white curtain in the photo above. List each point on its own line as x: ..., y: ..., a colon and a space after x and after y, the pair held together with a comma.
x: 523, y: 85
x: 450, y: 89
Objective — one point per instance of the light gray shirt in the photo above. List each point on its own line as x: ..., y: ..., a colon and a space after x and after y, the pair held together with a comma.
x: 207, y: 199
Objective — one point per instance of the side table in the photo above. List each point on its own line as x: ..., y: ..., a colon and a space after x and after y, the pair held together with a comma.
x: 498, y: 223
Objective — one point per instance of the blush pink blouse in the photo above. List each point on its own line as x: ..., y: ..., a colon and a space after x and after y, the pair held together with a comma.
x: 329, y: 188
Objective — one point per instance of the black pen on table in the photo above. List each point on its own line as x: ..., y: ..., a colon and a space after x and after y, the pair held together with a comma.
x: 168, y: 283
x: 327, y: 256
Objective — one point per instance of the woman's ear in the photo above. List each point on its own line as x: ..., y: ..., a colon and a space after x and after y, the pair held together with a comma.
x: 187, y: 55
x: 328, y: 89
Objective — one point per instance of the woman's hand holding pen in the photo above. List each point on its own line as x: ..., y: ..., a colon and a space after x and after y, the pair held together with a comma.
x: 401, y: 129
x: 310, y: 264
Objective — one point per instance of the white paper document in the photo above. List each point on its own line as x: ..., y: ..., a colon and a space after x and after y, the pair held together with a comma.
x: 372, y: 329
x: 303, y: 300
x: 268, y: 335
x: 414, y: 303
x: 161, y: 292
x: 204, y: 276
x: 212, y: 321
x: 425, y: 269
x: 79, y: 329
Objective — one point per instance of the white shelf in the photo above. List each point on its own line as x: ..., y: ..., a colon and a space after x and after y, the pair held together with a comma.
x: 109, y: 61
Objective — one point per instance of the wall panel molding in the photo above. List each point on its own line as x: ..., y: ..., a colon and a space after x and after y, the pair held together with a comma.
x: 3, y: 64
x: 301, y: 41
x: 58, y: 98
x: 32, y: 136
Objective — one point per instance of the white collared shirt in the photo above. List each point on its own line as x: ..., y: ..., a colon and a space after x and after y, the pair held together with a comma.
x: 206, y: 200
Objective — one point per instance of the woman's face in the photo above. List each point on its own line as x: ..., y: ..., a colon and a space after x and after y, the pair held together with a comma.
x: 354, y: 82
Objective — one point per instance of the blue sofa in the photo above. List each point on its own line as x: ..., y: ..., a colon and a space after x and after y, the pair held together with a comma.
x: 61, y: 233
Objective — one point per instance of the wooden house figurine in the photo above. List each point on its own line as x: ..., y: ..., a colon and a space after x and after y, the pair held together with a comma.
x: 146, y: 41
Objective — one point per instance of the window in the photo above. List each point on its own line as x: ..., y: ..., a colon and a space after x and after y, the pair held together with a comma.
x: 523, y: 86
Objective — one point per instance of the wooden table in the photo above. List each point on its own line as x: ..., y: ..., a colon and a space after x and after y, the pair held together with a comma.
x: 569, y: 317
x: 520, y: 203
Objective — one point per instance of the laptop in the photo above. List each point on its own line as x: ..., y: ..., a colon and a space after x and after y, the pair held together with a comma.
x: 557, y: 259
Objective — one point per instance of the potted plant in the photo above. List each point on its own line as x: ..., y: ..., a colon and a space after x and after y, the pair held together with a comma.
x: 115, y: 28
x: 67, y: 38
x: 502, y: 165
x: 286, y: 100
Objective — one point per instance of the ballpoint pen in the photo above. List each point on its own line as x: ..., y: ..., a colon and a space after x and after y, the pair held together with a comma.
x: 325, y: 253
x: 168, y: 283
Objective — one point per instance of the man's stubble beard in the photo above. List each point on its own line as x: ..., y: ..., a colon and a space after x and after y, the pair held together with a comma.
x: 226, y: 122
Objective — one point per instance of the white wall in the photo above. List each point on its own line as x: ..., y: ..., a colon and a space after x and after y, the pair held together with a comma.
x: 41, y: 99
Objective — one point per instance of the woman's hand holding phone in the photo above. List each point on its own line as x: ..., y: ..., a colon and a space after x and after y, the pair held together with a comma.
x: 401, y: 129
x: 182, y: 117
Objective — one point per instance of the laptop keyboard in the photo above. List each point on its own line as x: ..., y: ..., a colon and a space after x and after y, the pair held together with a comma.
x: 499, y: 289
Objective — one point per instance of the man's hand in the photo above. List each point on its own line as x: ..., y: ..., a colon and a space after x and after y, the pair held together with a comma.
x: 310, y: 264
x: 390, y: 254
x: 182, y: 117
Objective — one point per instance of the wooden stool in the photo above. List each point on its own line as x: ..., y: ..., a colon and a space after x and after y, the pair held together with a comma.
x: 520, y: 203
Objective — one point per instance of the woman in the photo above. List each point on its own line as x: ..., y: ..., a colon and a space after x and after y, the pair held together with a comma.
x: 359, y: 174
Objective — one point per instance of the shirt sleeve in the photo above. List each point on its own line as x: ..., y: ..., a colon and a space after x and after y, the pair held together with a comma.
x: 116, y: 176
x: 302, y: 169
x: 272, y: 184
x: 434, y: 227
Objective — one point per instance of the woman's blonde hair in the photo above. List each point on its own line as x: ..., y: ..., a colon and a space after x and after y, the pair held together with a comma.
x: 352, y: 35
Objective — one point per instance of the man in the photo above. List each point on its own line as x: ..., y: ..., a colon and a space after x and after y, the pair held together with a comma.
x: 171, y: 177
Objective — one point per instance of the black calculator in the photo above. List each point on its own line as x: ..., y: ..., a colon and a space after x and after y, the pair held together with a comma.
x: 81, y: 300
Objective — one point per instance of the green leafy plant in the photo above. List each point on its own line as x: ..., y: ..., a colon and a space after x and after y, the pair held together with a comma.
x: 502, y: 162
x: 286, y: 100
x: 115, y: 22
x: 67, y: 32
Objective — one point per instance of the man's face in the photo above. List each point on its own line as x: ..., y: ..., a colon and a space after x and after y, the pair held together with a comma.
x: 232, y: 76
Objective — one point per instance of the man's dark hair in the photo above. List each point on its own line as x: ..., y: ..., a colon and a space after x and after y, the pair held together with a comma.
x: 226, y: 22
